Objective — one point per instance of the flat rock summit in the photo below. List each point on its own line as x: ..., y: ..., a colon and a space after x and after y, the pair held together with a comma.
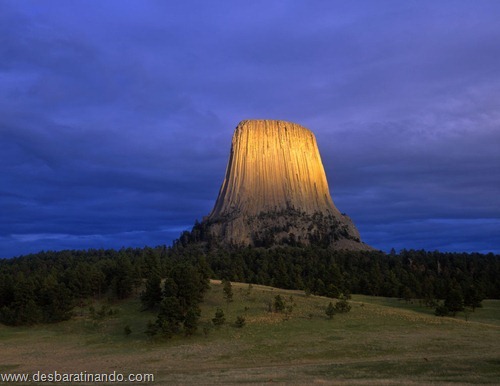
x: 275, y: 192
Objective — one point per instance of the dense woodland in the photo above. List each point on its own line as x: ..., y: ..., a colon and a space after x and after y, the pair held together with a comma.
x: 45, y: 287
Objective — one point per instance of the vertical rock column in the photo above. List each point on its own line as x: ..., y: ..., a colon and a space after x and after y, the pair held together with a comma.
x: 273, y: 166
x: 275, y: 191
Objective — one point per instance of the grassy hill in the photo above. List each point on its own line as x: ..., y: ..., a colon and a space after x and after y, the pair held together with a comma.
x: 381, y: 341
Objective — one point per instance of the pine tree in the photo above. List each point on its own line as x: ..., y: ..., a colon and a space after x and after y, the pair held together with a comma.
x: 454, y: 302
x: 123, y: 281
x: 152, y: 295
x: 55, y: 300
x: 25, y: 310
x: 227, y: 288
x: 342, y: 306
x: 441, y: 310
x: 190, y: 285
x: 473, y: 297
x: 170, y: 316
x: 151, y: 329
x: 170, y: 288
x: 279, y: 303
x: 330, y: 310
x: 219, y: 318
x: 191, y: 321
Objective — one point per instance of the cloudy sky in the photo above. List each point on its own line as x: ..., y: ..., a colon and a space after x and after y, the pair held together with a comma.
x: 116, y: 117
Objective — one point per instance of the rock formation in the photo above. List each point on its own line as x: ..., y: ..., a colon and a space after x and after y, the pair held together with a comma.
x: 275, y: 192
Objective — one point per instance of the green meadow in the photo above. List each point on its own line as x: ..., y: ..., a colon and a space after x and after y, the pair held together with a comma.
x: 380, y: 341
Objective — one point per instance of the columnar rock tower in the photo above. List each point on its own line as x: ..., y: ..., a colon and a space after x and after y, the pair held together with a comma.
x: 275, y: 192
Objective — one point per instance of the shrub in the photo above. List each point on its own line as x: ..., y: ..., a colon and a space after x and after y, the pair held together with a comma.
x: 240, y: 322
x: 279, y: 304
x: 330, y: 310
x: 441, y: 310
x: 342, y: 306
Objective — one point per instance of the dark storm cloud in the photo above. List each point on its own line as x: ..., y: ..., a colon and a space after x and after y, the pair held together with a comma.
x: 116, y: 117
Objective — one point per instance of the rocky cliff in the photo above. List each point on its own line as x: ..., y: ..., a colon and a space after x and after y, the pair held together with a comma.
x: 275, y: 191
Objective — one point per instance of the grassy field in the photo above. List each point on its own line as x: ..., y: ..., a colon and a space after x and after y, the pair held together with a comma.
x: 381, y: 341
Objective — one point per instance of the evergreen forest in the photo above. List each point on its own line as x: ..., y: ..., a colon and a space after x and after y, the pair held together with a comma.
x: 45, y: 287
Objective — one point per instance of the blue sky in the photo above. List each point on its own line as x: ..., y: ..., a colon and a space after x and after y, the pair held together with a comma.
x: 116, y: 117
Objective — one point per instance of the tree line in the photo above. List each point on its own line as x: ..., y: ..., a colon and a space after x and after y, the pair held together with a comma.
x: 45, y: 287
x: 458, y: 279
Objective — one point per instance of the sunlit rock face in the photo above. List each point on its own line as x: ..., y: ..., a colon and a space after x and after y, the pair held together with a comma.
x: 275, y: 192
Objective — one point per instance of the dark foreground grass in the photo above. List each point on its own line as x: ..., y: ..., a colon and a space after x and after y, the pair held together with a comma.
x: 381, y: 341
